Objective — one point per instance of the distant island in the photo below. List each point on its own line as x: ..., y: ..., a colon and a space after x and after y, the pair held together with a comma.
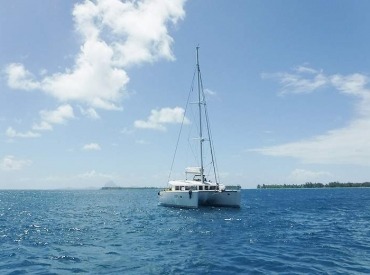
x: 334, y: 184
x: 111, y: 185
x: 119, y: 187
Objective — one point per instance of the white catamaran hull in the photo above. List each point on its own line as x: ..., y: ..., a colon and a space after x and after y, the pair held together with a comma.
x: 179, y: 199
x: 197, y: 198
x: 225, y: 198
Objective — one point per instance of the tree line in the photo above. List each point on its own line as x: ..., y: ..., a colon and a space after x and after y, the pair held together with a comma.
x: 334, y: 184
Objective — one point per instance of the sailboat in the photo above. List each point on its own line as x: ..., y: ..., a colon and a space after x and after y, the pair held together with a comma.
x: 196, y: 190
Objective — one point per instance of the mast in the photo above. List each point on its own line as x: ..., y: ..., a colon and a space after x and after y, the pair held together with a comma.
x: 200, y: 102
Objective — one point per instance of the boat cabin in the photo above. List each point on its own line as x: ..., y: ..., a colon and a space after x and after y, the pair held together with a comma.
x: 195, y: 183
x: 204, y: 187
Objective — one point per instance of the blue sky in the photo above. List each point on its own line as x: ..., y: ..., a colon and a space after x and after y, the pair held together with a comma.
x: 93, y: 91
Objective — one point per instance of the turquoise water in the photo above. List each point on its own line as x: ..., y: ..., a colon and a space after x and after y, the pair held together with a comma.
x: 124, y: 231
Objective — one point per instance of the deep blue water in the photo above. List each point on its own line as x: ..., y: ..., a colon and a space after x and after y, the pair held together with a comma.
x: 318, y: 231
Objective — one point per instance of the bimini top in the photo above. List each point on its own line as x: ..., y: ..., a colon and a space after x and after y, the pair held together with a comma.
x: 193, y: 170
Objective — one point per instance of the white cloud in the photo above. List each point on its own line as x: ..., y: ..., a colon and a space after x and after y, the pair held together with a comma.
x: 116, y: 34
x: 94, y: 80
x: 305, y: 69
x: 142, y: 142
x: 302, y: 80
x: 301, y: 176
x: 142, y: 28
x: 91, y: 147
x: 9, y: 163
x: 11, y: 133
x: 127, y: 131
x: 42, y: 126
x: 159, y: 118
x: 93, y: 174
x: 355, y: 85
x: 20, y: 78
x: 90, y: 113
x: 57, y: 116
x: 346, y: 145
x: 209, y: 92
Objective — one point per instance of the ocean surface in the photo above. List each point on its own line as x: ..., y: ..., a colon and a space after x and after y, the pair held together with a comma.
x: 311, y: 231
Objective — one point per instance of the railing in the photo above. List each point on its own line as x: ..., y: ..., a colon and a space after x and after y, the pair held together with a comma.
x: 232, y: 187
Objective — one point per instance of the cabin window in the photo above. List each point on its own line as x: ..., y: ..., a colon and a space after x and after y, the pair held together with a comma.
x: 200, y: 187
x: 187, y: 188
x: 206, y: 187
x: 213, y: 187
x: 177, y: 188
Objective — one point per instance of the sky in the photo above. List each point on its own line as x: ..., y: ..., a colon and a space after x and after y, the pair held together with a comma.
x: 94, y: 92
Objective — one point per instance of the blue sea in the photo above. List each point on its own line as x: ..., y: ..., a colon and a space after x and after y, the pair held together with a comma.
x: 310, y: 231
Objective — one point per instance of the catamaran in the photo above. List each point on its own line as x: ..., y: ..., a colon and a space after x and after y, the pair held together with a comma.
x: 196, y: 190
